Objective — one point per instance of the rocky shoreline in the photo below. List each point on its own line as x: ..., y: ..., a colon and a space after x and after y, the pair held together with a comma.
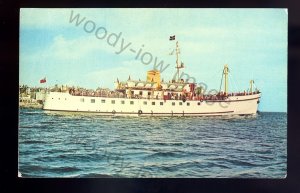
x: 32, y: 105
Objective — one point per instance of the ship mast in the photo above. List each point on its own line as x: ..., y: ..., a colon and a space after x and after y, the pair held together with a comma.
x: 225, y: 72
x: 178, y: 65
x: 251, y: 86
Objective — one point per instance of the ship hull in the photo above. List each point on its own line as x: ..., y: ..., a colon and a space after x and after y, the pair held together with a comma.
x: 234, y: 105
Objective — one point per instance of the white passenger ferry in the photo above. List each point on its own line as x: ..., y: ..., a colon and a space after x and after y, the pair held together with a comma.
x: 154, y: 97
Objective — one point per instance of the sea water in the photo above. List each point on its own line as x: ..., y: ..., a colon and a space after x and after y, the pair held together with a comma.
x: 90, y: 145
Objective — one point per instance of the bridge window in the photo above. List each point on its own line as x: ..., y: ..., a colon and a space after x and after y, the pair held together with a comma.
x: 113, y: 101
x: 153, y: 103
x: 102, y: 101
x: 173, y: 103
x: 161, y: 103
x: 92, y: 100
x: 123, y: 102
x: 198, y: 103
x: 145, y: 102
x: 131, y: 102
x: 187, y: 104
x: 82, y: 100
x: 180, y: 103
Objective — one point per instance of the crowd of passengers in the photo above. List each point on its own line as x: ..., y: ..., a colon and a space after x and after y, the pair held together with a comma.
x: 170, y: 96
x: 95, y: 93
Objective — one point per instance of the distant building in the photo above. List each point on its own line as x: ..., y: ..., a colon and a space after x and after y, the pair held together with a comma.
x: 40, y: 96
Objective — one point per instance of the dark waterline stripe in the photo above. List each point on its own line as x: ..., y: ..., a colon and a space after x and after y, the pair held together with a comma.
x: 138, y: 113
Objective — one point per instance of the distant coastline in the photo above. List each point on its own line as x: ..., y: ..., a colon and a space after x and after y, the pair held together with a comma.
x: 31, y: 97
x: 32, y: 105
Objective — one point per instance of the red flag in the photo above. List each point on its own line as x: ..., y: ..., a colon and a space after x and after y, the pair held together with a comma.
x: 43, y: 80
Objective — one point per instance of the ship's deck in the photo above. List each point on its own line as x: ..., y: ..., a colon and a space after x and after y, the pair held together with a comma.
x: 209, y: 97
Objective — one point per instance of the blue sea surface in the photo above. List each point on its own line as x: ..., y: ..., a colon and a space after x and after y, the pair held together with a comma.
x: 89, y: 145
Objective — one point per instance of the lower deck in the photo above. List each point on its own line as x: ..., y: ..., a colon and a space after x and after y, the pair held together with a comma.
x: 56, y: 101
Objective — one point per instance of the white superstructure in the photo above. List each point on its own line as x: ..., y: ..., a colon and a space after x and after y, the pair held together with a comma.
x: 234, y: 105
x: 154, y: 97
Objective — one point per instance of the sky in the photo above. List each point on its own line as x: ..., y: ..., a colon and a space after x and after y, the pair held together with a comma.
x: 94, y: 47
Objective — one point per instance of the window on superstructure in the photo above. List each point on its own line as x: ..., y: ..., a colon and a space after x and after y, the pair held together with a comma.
x: 92, y: 100
x: 173, y: 103
x: 198, y: 103
x: 187, y: 104
x: 180, y: 103
x: 122, y: 102
x: 161, y: 103
x: 141, y: 92
x: 102, y: 101
x: 149, y: 93
x: 82, y: 100
x: 113, y: 101
x: 131, y: 102
x: 153, y: 103
x: 145, y: 102
x: 132, y: 92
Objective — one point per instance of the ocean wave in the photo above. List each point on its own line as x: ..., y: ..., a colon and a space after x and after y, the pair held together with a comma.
x: 95, y: 175
x: 34, y: 142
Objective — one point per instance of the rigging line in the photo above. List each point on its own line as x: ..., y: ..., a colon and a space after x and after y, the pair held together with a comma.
x: 221, y: 81
x: 231, y: 81
x: 234, y: 82
x: 216, y: 74
x: 254, y: 85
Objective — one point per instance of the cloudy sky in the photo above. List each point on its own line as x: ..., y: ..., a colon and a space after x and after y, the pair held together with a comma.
x: 94, y: 47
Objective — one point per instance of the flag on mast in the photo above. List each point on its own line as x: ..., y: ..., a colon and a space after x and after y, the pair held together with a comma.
x: 172, y: 38
x: 43, y: 80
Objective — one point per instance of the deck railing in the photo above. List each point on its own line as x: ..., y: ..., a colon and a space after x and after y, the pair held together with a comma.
x: 112, y: 94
